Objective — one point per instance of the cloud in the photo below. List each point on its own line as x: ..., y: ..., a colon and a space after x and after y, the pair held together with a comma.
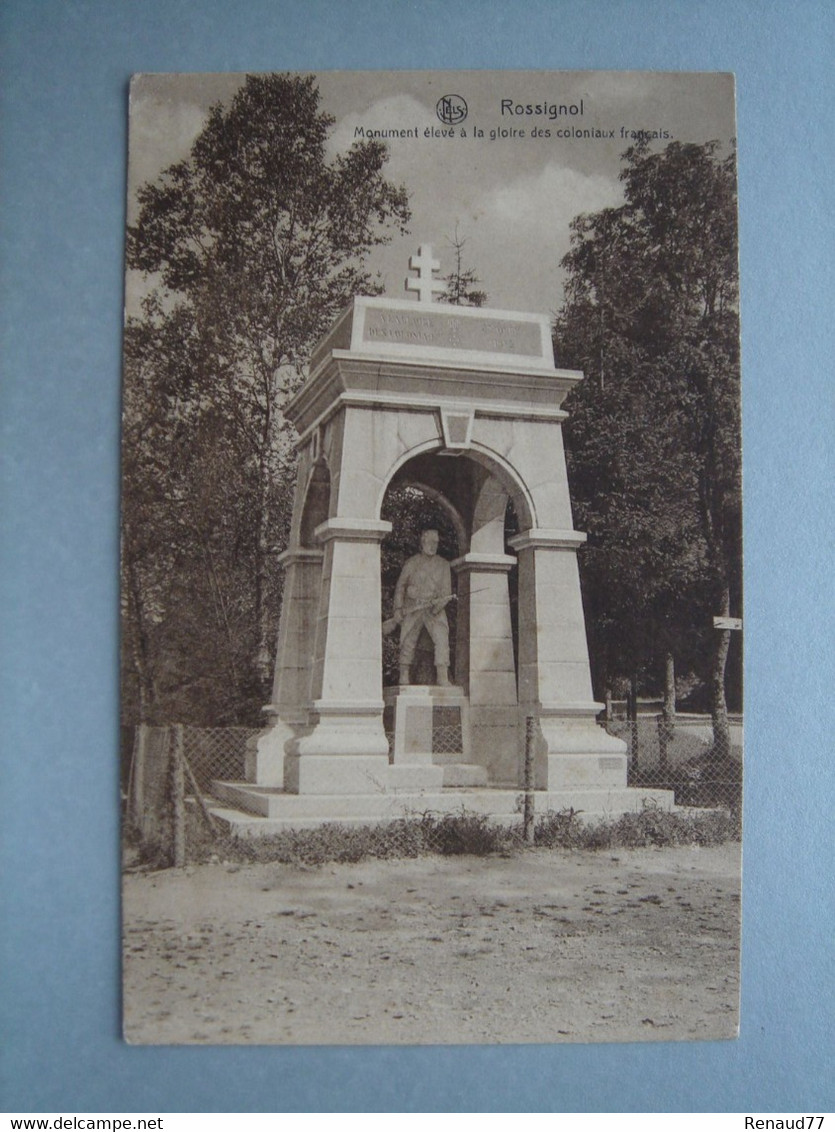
x: 162, y: 131
x: 549, y: 199
x: 521, y: 231
x: 615, y: 89
x: 399, y: 112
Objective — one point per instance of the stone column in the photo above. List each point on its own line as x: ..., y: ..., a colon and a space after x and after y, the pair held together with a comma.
x: 346, y: 751
x: 554, y: 673
x: 288, y: 711
x: 487, y: 663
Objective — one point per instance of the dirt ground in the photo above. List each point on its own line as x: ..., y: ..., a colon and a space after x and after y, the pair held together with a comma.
x: 545, y: 946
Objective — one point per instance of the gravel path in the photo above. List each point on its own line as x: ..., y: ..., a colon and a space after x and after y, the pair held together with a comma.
x: 545, y: 946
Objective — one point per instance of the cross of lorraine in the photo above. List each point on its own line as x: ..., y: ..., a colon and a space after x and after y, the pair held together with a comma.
x: 425, y: 284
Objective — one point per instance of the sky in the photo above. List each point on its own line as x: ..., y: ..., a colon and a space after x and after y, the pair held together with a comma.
x: 508, y: 193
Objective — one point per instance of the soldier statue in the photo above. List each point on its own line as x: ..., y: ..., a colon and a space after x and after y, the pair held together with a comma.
x: 423, y: 591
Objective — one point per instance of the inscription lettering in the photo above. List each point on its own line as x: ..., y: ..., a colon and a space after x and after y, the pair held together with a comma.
x: 448, y: 331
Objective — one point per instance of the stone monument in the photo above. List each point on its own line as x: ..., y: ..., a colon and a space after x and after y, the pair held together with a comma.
x: 465, y: 404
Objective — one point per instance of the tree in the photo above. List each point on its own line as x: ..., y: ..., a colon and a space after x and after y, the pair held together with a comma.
x: 253, y: 245
x: 461, y: 283
x: 651, y: 316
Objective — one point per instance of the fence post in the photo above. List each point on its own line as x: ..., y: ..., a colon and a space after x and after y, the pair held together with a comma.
x: 530, y: 743
x: 136, y: 776
x: 666, y: 733
x: 632, y: 716
x: 198, y: 794
x: 178, y: 792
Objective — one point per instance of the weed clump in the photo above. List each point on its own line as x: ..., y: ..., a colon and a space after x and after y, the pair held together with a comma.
x: 560, y: 829
x: 456, y: 834
x: 648, y: 827
x: 466, y: 833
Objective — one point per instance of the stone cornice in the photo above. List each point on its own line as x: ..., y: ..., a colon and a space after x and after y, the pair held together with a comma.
x: 460, y: 366
x: 548, y: 539
x: 347, y: 707
x: 352, y: 530
x: 290, y: 557
x: 425, y: 403
x: 503, y: 389
x: 483, y: 563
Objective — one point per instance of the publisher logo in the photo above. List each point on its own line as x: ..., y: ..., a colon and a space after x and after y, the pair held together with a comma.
x: 451, y: 109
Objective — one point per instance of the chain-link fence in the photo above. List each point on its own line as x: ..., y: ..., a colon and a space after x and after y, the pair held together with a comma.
x: 217, y: 752
x: 172, y: 769
x: 686, y: 754
x: 167, y: 765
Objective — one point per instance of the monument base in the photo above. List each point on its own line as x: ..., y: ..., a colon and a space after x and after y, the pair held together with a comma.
x: 336, y: 774
x: 574, y: 752
x: 265, y: 752
x: 344, y: 752
x: 429, y: 732
x: 253, y: 811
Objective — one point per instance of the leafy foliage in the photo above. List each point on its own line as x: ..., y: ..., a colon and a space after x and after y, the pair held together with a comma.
x: 251, y: 246
x: 651, y: 316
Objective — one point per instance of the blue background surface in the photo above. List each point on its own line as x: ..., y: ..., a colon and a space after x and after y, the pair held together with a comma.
x: 63, y: 130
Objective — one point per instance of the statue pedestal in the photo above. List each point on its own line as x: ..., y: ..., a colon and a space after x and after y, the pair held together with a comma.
x: 430, y: 736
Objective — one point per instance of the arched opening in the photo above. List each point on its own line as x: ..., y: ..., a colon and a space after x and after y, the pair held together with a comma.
x: 316, y: 503
x: 476, y: 504
x: 460, y: 479
x: 512, y: 528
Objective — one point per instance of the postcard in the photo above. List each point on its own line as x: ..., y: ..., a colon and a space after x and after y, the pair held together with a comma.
x: 431, y: 559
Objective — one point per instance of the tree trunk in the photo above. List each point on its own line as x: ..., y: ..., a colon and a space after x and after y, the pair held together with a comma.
x: 667, y: 718
x: 669, y: 709
x: 139, y: 642
x: 632, y: 716
x: 632, y: 698
x: 178, y: 791
x: 222, y: 618
x: 264, y: 620
x: 719, y: 706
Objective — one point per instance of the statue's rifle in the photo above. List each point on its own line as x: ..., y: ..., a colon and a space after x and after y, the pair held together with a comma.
x: 391, y: 624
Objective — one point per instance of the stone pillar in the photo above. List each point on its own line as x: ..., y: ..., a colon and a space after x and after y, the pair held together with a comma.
x: 487, y: 664
x: 289, y: 709
x: 346, y: 751
x: 554, y: 674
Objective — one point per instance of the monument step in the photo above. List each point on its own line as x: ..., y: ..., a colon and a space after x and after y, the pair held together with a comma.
x: 271, y: 802
x: 415, y: 776
x: 463, y: 774
x: 252, y: 811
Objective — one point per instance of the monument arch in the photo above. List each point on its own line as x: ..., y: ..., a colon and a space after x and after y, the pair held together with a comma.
x: 465, y: 404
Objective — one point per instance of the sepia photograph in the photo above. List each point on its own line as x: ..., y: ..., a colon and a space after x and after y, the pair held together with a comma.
x: 431, y: 559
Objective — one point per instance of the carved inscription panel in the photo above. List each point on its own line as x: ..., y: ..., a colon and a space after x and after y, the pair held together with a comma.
x: 449, y: 331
